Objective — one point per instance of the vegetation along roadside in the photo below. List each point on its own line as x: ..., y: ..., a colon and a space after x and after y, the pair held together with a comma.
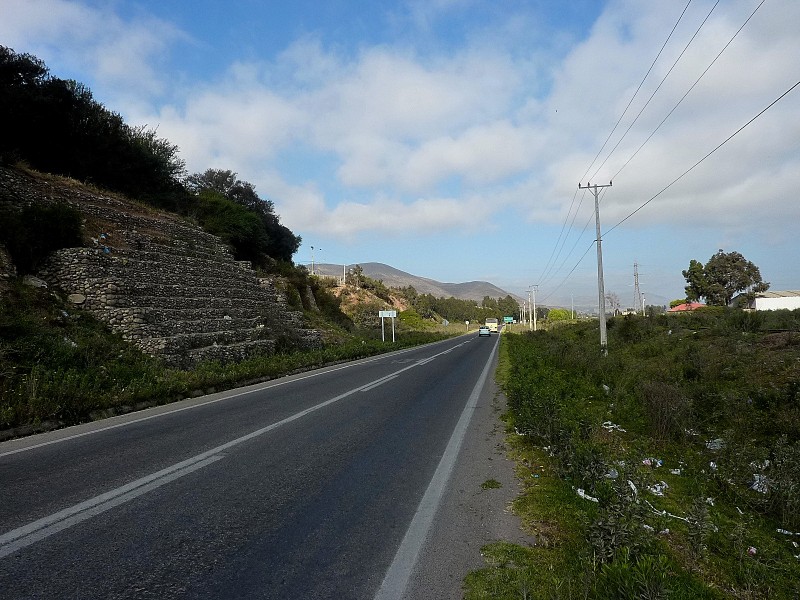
x: 59, y: 366
x: 668, y: 469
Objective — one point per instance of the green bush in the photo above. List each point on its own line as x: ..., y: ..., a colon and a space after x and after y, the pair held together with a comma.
x: 673, y: 383
x: 236, y: 225
x: 32, y: 233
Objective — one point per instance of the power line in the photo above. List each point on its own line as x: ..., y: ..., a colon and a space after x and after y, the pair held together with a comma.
x: 571, y: 250
x: 641, y: 83
x: 690, y: 169
x: 674, y: 108
x: 566, y: 278
x: 556, y: 252
x: 674, y: 64
x: 563, y: 281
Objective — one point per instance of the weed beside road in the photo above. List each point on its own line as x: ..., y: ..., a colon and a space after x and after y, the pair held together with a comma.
x: 668, y: 469
x: 59, y: 366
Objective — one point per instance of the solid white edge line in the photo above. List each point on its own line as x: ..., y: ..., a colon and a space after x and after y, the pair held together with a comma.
x: 398, y: 575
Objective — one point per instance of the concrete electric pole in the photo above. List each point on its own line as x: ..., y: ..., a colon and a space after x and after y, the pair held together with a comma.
x: 600, y: 286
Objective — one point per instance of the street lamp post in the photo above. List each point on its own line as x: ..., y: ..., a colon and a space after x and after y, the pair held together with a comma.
x: 312, y: 258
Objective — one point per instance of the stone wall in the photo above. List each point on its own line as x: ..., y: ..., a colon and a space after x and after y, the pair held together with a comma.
x: 169, y: 287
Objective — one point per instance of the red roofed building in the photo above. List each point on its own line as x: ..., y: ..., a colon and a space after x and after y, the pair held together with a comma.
x: 686, y: 306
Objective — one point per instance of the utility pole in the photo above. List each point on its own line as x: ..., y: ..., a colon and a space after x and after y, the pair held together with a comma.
x: 535, y: 289
x: 530, y: 318
x: 637, y: 294
x: 600, y: 286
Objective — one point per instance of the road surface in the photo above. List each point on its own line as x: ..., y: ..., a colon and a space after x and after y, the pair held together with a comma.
x: 356, y: 481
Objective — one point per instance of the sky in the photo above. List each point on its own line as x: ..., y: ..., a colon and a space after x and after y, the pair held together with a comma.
x: 448, y: 138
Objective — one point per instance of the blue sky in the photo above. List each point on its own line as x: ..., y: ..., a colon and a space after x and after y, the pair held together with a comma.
x: 447, y: 138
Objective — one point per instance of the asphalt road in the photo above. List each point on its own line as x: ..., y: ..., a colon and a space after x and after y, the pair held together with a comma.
x: 339, y: 483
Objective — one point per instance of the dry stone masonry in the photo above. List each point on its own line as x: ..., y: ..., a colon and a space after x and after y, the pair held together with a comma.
x: 165, y: 284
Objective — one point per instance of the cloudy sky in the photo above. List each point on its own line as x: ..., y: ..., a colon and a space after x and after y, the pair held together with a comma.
x: 447, y: 138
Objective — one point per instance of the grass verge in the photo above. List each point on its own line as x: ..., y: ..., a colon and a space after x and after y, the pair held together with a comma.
x: 666, y: 470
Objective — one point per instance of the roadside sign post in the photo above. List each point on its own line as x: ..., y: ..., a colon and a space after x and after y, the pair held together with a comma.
x: 383, y: 314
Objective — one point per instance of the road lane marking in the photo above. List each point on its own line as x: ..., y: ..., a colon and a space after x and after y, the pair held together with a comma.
x: 43, y: 528
x: 261, y: 388
x: 40, y: 529
x: 374, y: 384
x: 397, y: 577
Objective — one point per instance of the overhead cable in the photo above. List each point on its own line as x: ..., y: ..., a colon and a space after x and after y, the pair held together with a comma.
x: 690, y: 169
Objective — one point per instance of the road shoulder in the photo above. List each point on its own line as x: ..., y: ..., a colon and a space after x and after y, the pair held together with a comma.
x: 475, y: 509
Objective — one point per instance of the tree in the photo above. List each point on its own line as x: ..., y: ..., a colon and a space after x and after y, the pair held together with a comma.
x: 508, y: 306
x: 56, y: 126
x: 559, y: 314
x: 722, y: 277
x: 280, y: 243
x: 696, y: 283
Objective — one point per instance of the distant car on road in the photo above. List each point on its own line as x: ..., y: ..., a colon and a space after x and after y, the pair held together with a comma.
x: 483, y: 330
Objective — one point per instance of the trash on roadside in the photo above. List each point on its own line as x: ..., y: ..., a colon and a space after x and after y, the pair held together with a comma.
x: 741, y: 512
x: 659, y: 488
x: 787, y: 532
x: 760, y: 483
x: 664, y: 531
x: 633, y: 487
x: 675, y: 471
x: 609, y: 426
x: 652, y: 462
x: 586, y: 496
x: 717, y: 444
x: 710, y: 501
x: 713, y: 465
x: 612, y: 474
x: 752, y: 551
x: 606, y: 389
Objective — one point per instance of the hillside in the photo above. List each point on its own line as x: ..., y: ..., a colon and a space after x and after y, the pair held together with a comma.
x: 160, y: 281
x: 391, y: 277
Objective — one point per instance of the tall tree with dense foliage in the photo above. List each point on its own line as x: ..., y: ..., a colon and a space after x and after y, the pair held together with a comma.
x: 279, y: 242
x: 56, y: 126
x: 721, y: 278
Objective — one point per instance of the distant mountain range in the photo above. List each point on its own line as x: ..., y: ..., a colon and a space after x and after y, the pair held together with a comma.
x: 391, y: 277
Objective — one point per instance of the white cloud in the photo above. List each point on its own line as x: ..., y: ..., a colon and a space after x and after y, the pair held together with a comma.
x: 731, y: 187
x: 122, y: 56
x: 400, y: 126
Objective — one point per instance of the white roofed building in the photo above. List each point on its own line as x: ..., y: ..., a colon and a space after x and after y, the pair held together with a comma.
x: 789, y: 300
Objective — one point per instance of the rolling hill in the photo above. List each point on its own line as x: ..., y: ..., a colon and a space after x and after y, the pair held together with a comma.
x: 391, y: 277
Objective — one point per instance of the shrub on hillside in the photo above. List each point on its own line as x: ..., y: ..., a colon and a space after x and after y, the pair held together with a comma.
x: 236, y: 225
x: 34, y: 232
